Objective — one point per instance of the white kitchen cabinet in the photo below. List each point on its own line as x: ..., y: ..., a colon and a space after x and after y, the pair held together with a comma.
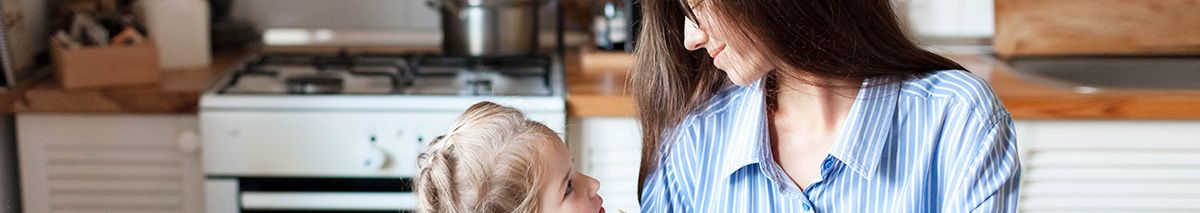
x: 1110, y: 166
x: 609, y: 149
x: 110, y: 163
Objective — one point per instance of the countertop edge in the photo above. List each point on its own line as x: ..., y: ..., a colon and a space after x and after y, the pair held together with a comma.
x: 1024, y: 100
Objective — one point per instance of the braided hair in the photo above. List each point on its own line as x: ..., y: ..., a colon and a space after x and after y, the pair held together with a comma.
x: 488, y: 161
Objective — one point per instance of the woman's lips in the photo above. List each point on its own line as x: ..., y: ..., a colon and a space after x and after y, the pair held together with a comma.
x: 716, y: 52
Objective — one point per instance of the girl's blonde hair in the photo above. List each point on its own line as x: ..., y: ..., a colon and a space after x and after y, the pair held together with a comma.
x: 487, y: 162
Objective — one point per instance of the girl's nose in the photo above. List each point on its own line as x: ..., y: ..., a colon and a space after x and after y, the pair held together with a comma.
x: 593, y: 185
x: 693, y: 37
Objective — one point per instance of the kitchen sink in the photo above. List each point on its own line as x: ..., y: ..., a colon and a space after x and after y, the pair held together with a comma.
x: 1111, y: 72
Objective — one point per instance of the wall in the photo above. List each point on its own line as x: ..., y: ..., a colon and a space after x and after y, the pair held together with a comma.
x: 949, y: 18
x: 411, y: 15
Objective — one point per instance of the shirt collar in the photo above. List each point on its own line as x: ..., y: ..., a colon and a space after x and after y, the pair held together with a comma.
x: 747, y: 130
x: 866, y: 130
x: 859, y: 145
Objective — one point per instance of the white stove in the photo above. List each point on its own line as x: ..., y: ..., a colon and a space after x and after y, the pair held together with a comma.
x: 340, y: 132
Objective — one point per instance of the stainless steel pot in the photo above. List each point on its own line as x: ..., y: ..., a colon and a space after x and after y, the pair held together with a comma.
x: 488, y: 27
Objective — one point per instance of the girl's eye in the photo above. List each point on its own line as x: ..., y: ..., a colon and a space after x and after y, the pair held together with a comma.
x: 568, y: 188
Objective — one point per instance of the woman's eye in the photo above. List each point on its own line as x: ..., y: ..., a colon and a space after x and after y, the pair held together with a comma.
x: 568, y: 188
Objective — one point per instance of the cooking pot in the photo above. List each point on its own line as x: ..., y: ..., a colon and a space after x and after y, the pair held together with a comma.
x: 488, y: 27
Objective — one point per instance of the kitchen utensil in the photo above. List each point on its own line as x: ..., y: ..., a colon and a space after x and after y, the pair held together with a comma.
x: 88, y: 31
x: 65, y: 40
x: 488, y: 27
x: 129, y: 36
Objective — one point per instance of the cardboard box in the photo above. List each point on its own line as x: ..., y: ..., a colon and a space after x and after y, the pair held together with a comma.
x: 106, y: 66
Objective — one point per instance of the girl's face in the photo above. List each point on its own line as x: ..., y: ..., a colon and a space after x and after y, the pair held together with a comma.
x: 740, y: 63
x: 567, y: 190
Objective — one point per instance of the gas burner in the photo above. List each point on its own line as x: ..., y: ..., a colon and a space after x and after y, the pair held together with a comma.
x: 477, y: 83
x: 315, y: 85
x: 299, y: 74
x: 519, y: 66
x: 342, y: 73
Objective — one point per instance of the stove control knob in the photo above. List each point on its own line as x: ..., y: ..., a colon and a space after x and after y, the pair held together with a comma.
x: 374, y: 158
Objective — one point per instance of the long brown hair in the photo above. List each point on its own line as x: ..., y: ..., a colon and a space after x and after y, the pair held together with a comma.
x: 838, y: 39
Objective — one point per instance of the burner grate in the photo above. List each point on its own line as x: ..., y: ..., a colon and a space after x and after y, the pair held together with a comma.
x: 410, y: 74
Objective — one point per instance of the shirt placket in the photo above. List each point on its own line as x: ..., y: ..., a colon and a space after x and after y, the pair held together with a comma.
x: 804, y: 197
x: 813, y: 191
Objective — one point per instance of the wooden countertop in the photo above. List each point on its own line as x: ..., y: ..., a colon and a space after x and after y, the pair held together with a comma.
x: 179, y: 92
x: 1027, y: 100
x: 596, y: 85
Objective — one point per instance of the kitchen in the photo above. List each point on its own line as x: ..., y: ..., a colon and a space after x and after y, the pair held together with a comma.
x: 1082, y: 142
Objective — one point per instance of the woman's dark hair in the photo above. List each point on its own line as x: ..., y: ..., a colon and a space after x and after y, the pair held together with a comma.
x: 839, y: 39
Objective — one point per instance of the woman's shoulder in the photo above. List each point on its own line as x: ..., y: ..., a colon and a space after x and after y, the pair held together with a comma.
x: 731, y: 108
x: 955, y: 87
x: 948, y: 83
x: 729, y: 100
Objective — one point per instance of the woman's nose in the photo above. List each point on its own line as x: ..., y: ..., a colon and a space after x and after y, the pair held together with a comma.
x: 693, y: 37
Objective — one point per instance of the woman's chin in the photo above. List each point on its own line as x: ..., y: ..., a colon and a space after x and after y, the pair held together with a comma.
x: 734, y: 78
x: 742, y: 83
x: 741, y: 80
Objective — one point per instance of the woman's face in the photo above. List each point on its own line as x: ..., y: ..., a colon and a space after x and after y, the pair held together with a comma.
x: 565, y: 189
x: 741, y: 63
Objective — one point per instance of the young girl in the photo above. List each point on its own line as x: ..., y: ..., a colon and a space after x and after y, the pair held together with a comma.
x: 495, y: 160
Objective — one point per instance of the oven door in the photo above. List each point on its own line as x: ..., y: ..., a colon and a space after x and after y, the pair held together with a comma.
x: 261, y: 195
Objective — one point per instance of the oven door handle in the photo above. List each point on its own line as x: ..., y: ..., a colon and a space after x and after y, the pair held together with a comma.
x: 328, y: 201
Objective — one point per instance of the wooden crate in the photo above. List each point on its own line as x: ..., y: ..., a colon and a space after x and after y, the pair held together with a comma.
x: 106, y: 66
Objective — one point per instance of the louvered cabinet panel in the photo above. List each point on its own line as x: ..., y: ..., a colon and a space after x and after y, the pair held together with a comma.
x: 109, y: 163
x: 609, y: 149
x: 1110, y: 166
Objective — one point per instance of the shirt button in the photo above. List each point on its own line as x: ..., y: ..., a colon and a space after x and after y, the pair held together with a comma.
x: 828, y: 164
x: 806, y: 207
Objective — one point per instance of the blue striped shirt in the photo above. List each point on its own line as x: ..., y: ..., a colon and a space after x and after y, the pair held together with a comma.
x: 940, y: 142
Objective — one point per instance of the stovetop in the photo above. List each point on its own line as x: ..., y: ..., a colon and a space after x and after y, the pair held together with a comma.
x: 390, y: 74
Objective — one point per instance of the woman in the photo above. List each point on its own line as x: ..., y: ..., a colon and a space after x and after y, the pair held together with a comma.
x: 812, y: 106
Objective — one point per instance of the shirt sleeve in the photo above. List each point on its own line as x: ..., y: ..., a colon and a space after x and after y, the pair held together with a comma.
x: 994, y: 176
